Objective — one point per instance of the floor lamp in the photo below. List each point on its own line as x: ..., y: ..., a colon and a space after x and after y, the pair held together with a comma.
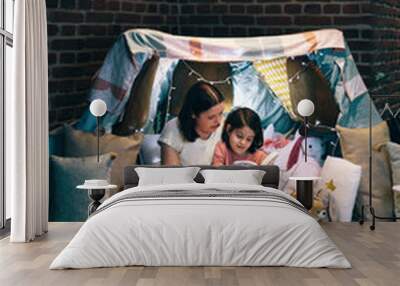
x: 304, y: 185
x: 371, y: 207
x: 305, y: 108
x: 98, y: 108
x: 96, y: 187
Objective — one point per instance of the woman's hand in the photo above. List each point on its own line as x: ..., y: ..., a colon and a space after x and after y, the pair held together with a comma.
x: 169, y: 156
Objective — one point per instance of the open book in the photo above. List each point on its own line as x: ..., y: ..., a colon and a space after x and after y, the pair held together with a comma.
x: 269, y: 160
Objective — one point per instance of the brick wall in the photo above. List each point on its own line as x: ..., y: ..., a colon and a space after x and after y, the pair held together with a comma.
x: 385, y: 62
x: 81, y: 32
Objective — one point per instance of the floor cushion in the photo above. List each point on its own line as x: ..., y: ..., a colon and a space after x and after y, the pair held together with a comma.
x: 150, y: 150
x: 56, y: 141
x: 340, y: 180
x: 79, y: 143
x: 66, y: 203
x: 394, y: 154
x: 355, y: 148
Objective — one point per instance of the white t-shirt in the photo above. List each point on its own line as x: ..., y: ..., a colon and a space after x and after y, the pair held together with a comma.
x: 199, y: 152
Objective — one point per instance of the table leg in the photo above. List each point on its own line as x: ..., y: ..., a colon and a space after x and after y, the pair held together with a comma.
x: 304, y: 193
x: 95, y: 196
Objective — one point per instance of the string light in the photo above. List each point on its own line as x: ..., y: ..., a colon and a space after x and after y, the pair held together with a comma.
x: 200, y: 77
x: 388, y: 109
x: 169, y: 97
x: 228, y: 80
x: 297, y: 74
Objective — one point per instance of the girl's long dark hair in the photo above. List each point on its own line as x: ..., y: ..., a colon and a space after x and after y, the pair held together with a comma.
x: 239, y: 118
x: 200, y: 97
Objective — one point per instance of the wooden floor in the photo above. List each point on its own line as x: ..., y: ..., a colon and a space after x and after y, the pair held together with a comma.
x: 375, y: 257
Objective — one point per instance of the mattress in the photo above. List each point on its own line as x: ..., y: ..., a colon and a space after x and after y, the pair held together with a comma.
x: 200, y: 225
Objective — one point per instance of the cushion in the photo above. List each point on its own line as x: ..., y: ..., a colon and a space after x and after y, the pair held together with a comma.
x: 150, y: 151
x: 248, y: 177
x: 79, y: 143
x: 270, y: 179
x: 394, y: 155
x: 67, y: 203
x: 354, y: 144
x: 162, y: 176
x: 341, y: 179
x: 56, y: 141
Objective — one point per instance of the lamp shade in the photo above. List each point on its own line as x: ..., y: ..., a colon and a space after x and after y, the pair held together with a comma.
x: 98, y: 107
x: 305, y: 107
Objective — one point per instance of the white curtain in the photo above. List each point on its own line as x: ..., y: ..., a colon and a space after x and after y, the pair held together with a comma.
x: 27, y: 124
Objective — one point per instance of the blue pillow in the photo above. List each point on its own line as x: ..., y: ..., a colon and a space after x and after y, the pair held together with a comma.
x: 66, y: 202
x: 56, y: 141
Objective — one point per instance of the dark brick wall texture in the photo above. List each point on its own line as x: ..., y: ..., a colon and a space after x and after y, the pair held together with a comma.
x: 81, y: 32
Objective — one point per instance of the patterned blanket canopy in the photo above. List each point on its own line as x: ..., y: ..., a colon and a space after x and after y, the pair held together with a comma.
x: 259, y: 72
x: 231, y: 49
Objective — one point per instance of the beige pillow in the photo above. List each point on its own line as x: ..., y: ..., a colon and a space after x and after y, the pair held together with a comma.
x: 394, y: 154
x: 354, y: 143
x: 78, y: 144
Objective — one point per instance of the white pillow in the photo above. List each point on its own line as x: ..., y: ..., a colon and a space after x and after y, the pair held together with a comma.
x: 150, y: 151
x: 163, y: 176
x: 345, y: 177
x: 249, y: 177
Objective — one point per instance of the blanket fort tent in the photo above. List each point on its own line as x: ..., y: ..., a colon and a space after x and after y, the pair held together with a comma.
x: 142, y: 75
x: 259, y: 75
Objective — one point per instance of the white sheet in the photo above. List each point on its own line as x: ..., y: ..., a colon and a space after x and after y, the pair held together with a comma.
x: 200, y: 231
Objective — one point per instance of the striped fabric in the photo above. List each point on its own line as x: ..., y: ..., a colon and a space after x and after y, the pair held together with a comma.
x: 274, y: 73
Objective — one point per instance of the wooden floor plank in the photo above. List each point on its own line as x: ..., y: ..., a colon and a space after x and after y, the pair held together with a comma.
x: 375, y: 258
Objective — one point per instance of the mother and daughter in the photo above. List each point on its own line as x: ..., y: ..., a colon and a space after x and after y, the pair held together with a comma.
x: 198, y: 136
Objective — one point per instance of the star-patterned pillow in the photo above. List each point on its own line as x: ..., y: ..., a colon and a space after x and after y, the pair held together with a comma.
x: 338, y: 187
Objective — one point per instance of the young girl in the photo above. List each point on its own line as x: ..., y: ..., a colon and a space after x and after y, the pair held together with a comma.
x: 241, y: 138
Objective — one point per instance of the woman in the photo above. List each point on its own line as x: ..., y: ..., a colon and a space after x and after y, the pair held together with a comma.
x: 190, y: 138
